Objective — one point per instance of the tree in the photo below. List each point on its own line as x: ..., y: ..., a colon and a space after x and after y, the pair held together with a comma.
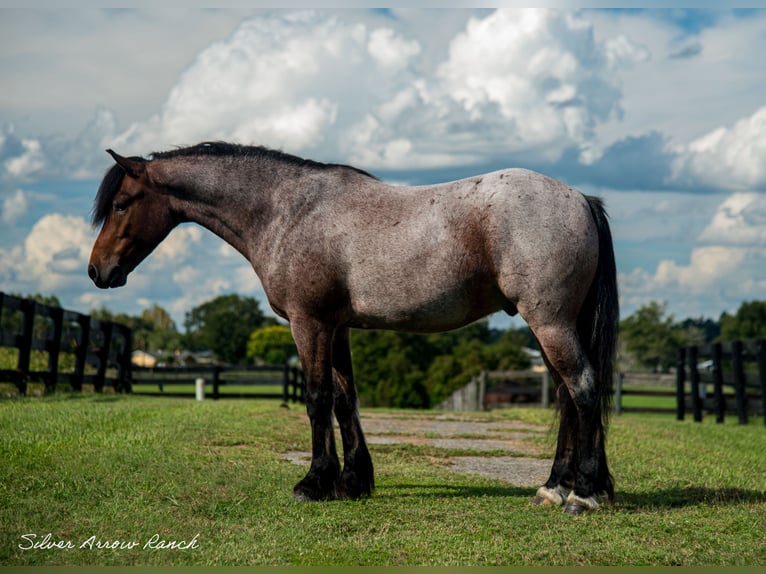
x: 407, y: 370
x: 272, y: 344
x: 153, y: 331
x: 223, y: 325
x: 161, y: 331
x: 699, y: 331
x: 649, y: 338
x: 749, y: 322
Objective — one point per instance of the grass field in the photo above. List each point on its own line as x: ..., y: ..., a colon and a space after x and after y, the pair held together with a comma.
x: 137, y: 471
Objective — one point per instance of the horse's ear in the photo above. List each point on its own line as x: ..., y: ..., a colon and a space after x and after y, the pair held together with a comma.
x: 134, y: 167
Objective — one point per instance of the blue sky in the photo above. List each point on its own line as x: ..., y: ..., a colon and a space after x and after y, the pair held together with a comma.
x: 662, y: 112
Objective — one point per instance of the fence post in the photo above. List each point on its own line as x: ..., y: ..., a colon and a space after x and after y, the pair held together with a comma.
x: 125, y: 362
x: 761, y: 346
x: 103, y: 356
x: 216, y: 381
x: 680, y: 383
x: 739, y: 382
x: 24, y: 342
x: 54, y: 348
x: 720, y: 402
x: 81, y: 354
x: 286, y: 383
x: 694, y: 377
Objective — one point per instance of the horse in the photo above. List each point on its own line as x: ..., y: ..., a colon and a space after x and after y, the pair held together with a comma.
x: 335, y: 248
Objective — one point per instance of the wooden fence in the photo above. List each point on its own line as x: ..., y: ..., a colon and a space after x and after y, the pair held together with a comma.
x: 497, y: 389
x: 100, y: 349
x: 238, y: 381
x: 736, y: 373
x: 642, y: 390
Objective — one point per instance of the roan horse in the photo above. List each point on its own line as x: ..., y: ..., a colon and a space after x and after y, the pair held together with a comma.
x: 335, y: 248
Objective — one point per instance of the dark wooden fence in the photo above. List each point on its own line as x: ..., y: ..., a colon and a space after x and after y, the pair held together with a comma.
x: 229, y: 381
x: 100, y: 349
x: 99, y: 354
x: 735, y: 373
x: 645, y: 387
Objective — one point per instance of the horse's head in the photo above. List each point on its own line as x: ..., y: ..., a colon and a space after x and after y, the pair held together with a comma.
x: 135, y: 216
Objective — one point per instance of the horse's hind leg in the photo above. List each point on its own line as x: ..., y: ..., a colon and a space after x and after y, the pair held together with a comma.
x: 562, y: 347
x: 561, y: 480
x: 357, y: 478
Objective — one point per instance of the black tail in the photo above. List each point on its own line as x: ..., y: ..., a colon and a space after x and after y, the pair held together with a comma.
x: 599, y: 320
x: 598, y: 325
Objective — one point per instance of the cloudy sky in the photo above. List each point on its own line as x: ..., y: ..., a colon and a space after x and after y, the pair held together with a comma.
x: 662, y: 112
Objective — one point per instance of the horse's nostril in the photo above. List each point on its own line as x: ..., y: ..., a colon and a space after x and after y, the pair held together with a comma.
x: 92, y: 272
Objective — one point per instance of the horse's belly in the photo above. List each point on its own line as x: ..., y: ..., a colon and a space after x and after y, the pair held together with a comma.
x: 418, y: 308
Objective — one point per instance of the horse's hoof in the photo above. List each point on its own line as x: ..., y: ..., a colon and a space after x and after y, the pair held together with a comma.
x: 549, y: 496
x: 307, y: 495
x: 351, y: 487
x: 575, y: 508
x: 577, y: 504
x: 310, y: 489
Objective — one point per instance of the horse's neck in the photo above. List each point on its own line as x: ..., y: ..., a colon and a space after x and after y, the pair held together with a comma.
x: 225, y: 198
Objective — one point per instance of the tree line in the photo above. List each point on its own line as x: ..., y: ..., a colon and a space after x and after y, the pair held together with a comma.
x: 403, y: 369
x: 391, y: 368
x: 650, y: 336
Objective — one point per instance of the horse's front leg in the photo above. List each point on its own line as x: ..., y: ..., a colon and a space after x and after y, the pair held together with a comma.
x: 314, y: 342
x: 357, y: 478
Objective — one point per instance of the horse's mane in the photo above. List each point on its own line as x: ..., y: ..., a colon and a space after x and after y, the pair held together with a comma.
x: 112, y: 181
x: 109, y: 187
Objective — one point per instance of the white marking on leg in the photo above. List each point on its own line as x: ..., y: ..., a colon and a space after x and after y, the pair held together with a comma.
x: 591, y: 503
x: 555, y: 496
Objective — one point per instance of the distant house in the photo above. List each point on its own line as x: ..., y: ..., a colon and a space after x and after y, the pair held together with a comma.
x: 189, y: 358
x: 143, y: 359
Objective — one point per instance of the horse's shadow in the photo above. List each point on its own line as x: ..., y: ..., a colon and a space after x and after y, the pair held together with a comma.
x: 674, y: 497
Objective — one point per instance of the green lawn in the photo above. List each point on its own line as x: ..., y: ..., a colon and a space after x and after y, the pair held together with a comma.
x: 127, y: 468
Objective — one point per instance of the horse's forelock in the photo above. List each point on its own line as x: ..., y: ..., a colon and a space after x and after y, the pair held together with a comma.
x: 109, y: 187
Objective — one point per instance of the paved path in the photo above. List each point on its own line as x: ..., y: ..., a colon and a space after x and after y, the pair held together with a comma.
x: 521, y: 467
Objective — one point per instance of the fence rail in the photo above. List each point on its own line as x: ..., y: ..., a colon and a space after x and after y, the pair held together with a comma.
x: 500, y: 388
x: 101, y: 349
x: 737, y: 368
x: 247, y: 381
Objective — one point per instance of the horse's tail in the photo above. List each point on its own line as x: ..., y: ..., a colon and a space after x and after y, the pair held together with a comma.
x: 598, y: 323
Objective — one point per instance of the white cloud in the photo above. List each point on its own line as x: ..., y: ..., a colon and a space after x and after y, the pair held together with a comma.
x: 177, y: 246
x: 52, y: 258
x: 334, y: 87
x: 28, y: 162
x: 390, y: 49
x: 727, y: 266
x: 732, y: 157
x: 270, y: 82
x: 68, y: 157
x: 14, y: 206
x: 740, y: 220
x: 540, y: 74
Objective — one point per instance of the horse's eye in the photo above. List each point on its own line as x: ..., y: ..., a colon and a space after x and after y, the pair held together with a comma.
x: 120, y: 206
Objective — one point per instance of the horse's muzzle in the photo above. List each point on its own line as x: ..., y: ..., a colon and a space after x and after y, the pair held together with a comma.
x: 113, y: 276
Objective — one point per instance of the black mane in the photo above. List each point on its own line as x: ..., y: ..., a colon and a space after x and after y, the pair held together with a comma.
x: 224, y: 149
x: 114, y: 176
x: 109, y: 187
